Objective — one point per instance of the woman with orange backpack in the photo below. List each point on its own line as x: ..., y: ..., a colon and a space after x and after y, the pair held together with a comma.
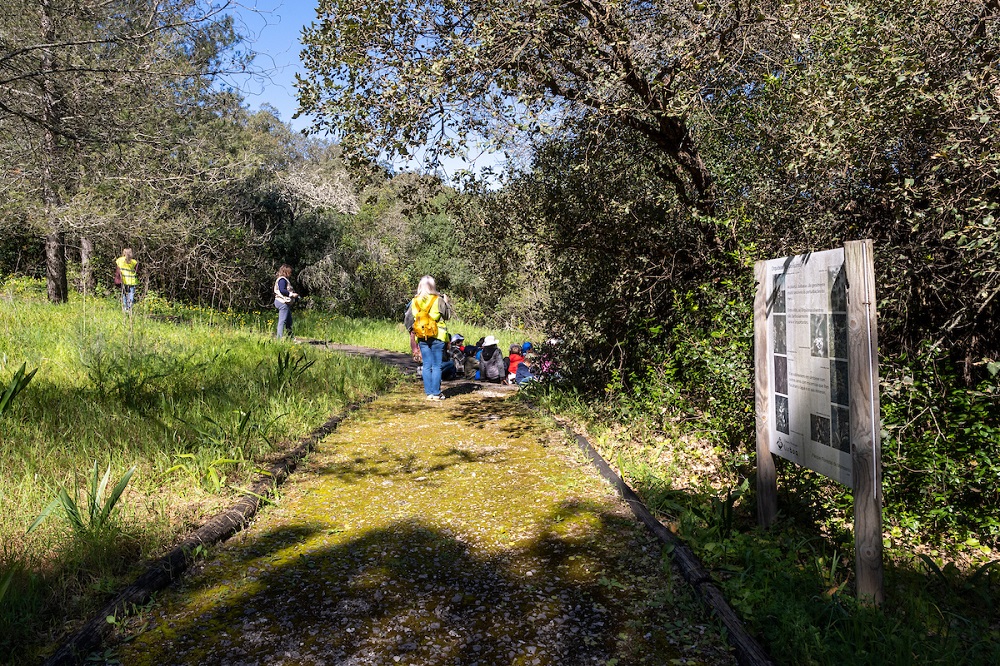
x: 430, y: 310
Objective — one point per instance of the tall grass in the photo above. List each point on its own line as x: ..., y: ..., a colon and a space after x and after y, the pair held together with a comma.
x: 121, y: 391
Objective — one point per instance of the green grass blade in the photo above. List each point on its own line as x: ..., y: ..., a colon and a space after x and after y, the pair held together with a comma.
x: 981, y: 571
x: 116, y: 493
x: 16, y: 385
x: 99, y: 497
x: 72, y: 511
x: 5, y: 583
x: 92, y: 497
x: 43, y: 515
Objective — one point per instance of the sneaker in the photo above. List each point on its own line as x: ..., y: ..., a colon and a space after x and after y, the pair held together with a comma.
x: 432, y: 397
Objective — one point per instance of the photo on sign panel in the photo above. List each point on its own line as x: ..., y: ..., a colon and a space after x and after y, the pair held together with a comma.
x: 819, y: 430
x: 839, y: 383
x: 780, y: 335
x: 838, y: 289
x: 778, y: 295
x: 781, y: 375
x: 838, y: 322
x: 841, y: 428
x: 818, y: 335
x: 781, y: 414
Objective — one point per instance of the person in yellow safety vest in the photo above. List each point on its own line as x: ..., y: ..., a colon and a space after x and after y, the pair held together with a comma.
x: 126, y: 267
x: 430, y: 309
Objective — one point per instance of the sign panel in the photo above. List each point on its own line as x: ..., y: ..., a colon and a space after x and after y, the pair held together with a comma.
x: 807, y: 345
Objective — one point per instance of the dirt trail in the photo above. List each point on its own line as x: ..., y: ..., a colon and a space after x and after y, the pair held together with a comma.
x: 459, y: 532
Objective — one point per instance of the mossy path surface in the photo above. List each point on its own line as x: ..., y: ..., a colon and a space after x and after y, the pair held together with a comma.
x: 458, y: 532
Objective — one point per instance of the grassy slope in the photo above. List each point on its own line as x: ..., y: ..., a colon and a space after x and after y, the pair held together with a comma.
x: 136, y: 391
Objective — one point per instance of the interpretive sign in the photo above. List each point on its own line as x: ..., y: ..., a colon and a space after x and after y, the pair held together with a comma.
x: 816, y: 385
x: 807, y: 348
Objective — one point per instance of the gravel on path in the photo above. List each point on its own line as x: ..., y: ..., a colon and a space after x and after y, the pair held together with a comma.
x: 454, y: 532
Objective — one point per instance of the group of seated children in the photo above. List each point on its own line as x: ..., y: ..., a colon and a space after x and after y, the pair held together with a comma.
x: 484, y: 361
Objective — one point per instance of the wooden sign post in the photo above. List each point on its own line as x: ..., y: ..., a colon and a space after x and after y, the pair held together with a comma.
x: 866, y: 449
x: 767, y: 480
x: 817, y: 402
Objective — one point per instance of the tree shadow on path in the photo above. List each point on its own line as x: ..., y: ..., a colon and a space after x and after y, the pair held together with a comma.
x: 409, y: 593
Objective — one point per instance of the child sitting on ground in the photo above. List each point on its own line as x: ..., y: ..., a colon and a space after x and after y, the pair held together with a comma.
x: 491, y: 367
x: 515, y: 359
x: 524, y: 374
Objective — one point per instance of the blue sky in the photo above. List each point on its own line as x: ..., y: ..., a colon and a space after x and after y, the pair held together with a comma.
x: 274, y: 28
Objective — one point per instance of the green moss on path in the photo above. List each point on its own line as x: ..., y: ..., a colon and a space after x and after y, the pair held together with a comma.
x: 460, y: 532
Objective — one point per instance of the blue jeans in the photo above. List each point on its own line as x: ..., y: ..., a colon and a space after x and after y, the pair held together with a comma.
x: 432, y: 351
x: 128, y: 296
x: 284, y: 318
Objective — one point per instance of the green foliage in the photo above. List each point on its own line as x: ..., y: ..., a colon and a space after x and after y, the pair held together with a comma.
x: 791, y: 592
x: 96, y: 517
x: 978, y: 585
x: 17, y: 384
x: 872, y: 127
x: 209, y: 375
x: 367, y: 263
x: 792, y: 587
x: 941, y: 444
x: 5, y: 582
x: 134, y: 369
x: 208, y: 474
x: 391, y: 75
x: 289, y: 369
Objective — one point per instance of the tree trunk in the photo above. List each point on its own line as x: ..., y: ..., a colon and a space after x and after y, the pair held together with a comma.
x: 86, y: 271
x: 55, y: 266
x: 55, y: 241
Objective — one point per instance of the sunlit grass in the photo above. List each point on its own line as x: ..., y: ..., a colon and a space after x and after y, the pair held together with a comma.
x: 385, y: 334
x: 193, y: 402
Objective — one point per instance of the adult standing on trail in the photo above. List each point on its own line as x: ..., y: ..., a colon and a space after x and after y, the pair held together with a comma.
x: 284, y: 295
x: 430, y: 310
x: 126, y: 270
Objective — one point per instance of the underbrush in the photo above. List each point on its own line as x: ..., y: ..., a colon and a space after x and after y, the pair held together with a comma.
x: 682, y: 435
x: 196, y: 408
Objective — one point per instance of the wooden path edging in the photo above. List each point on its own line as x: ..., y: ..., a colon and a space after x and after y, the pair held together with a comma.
x: 748, y: 651
x: 168, y: 568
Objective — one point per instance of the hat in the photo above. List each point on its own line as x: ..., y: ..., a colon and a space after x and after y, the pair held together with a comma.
x: 490, y: 340
x: 526, y: 347
x: 457, y: 337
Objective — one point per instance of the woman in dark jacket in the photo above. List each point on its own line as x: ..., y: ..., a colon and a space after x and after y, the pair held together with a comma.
x: 284, y: 295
